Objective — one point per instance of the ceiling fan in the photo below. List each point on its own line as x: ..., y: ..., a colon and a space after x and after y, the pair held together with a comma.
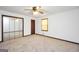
x: 36, y: 10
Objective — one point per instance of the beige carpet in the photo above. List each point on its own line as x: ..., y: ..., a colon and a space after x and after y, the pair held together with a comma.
x: 37, y: 43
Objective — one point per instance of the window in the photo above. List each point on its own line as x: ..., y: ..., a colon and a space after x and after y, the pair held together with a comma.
x: 45, y: 24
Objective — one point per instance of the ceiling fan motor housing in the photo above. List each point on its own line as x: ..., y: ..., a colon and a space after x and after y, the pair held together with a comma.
x: 34, y: 8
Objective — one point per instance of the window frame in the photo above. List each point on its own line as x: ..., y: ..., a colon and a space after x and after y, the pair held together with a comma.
x: 43, y: 25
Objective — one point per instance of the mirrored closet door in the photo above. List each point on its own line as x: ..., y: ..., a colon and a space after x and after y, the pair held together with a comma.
x: 6, y: 35
x: 12, y: 27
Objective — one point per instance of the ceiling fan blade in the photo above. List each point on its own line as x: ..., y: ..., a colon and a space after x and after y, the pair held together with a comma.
x: 41, y: 12
x: 27, y: 9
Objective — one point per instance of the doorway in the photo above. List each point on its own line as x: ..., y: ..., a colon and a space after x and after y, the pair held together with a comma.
x: 32, y: 26
x: 12, y: 27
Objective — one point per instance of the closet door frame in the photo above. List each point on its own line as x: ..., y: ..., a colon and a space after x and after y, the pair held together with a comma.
x: 11, y: 17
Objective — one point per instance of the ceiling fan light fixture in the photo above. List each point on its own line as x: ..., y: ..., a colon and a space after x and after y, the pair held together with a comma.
x: 35, y: 12
x: 37, y: 7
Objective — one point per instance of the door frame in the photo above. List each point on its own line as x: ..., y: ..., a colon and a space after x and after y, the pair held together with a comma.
x: 12, y: 17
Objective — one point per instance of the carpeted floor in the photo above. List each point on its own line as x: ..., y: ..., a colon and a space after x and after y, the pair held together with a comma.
x: 37, y: 43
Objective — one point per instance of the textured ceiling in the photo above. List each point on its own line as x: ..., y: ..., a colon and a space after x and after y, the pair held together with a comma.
x: 49, y: 9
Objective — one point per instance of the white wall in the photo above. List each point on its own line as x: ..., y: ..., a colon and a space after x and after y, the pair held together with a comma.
x: 64, y: 25
x: 26, y: 21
